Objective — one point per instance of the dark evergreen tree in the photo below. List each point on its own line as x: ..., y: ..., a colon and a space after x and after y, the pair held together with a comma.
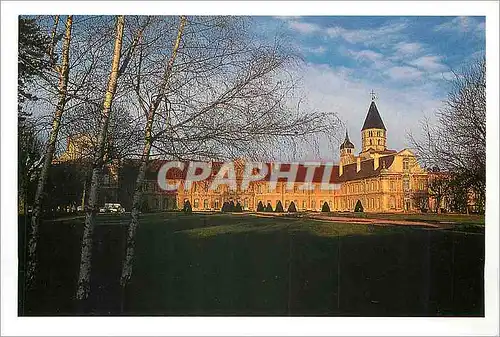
x: 231, y: 206
x: 292, y: 208
x: 358, y: 207
x: 325, y: 208
x: 238, y: 207
x: 269, y: 208
x: 225, y: 207
x: 279, y: 207
x: 260, y: 207
x: 32, y: 58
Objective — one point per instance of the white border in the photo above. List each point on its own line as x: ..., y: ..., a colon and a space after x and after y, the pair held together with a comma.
x: 12, y: 325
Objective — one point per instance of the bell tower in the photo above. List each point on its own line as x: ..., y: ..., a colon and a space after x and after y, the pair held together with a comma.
x: 373, y: 133
x: 346, y: 151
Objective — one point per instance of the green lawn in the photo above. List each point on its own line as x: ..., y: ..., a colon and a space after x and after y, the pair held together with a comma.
x: 224, y: 264
x: 425, y: 217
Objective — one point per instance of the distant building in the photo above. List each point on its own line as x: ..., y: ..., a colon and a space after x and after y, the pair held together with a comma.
x: 383, y: 180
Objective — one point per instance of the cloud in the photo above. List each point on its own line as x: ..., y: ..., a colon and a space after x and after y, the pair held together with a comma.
x: 304, y: 27
x: 335, y: 90
x: 375, y: 59
x: 403, y: 73
x: 372, y: 36
x: 408, y: 48
x: 462, y: 24
x: 316, y: 50
x: 442, y: 76
x: 429, y: 63
x: 365, y: 55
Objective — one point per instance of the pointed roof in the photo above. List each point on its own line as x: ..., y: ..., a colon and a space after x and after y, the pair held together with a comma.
x: 347, y: 143
x: 373, y: 119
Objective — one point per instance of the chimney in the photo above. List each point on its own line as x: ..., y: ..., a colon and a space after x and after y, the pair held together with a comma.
x: 358, y: 164
x: 375, y: 161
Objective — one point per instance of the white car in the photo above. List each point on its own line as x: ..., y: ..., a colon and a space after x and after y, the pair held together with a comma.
x: 113, y: 208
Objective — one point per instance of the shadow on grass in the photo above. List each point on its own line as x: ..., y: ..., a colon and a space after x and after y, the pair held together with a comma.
x: 222, y: 265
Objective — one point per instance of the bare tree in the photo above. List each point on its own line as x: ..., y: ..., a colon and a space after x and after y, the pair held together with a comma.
x: 439, y: 189
x: 63, y: 71
x: 226, y: 96
x: 457, y: 142
x: 148, y: 140
x: 86, y: 253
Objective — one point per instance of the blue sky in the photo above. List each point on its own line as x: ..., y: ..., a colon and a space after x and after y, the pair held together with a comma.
x: 407, y: 61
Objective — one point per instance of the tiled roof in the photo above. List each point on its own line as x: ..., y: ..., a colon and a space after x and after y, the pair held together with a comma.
x: 349, y: 171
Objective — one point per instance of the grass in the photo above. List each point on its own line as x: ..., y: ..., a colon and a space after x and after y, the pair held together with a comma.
x: 425, y: 217
x: 243, y: 265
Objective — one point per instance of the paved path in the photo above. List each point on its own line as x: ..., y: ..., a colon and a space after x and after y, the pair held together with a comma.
x: 362, y: 221
x: 372, y: 221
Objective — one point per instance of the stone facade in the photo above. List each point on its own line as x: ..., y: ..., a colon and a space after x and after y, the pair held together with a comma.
x: 382, y: 180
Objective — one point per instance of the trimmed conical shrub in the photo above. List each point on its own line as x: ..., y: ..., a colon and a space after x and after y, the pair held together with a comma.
x: 225, y: 207
x: 292, y: 207
x: 279, y: 207
x: 325, y: 208
x: 187, y: 207
x: 358, y: 207
x: 260, y: 207
x: 238, y: 208
x: 269, y: 208
x: 231, y: 206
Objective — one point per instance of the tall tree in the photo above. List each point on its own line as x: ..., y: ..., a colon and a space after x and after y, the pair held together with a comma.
x: 148, y: 141
x: 32, y: 58
x: 457, y: 142
x: 83, y: 287
x: 227, y: 96
x: 63, y: 71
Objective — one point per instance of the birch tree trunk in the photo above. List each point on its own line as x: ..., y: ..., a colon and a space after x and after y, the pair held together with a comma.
x: 83, y: 287
x: 136, y: 201
x: 49, y: 153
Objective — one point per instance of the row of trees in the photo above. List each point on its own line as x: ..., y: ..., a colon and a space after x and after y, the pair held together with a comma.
x: 148, y: 87
x: 454, y: 146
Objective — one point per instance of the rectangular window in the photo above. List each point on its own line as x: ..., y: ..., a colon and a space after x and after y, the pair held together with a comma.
x: 196, y: 203
x: 304, y: 204
x: 406, y: 184
x: 405, y: 164
x: 205, y: 204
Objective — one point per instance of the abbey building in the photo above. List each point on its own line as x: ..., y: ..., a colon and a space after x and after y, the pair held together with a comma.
x: 382, y: 180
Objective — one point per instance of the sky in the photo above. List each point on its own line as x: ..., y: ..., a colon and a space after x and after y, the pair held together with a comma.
x: 407, y: 61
